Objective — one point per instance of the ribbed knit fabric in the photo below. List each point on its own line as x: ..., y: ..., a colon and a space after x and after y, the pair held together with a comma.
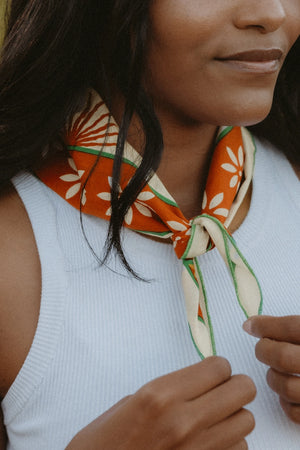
x: 101, y: 334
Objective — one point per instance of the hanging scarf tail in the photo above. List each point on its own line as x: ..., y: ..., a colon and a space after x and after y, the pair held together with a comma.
x: 247, y: 288
x: 197, y: 310
x: 92, y: 133
x: 246, y: 284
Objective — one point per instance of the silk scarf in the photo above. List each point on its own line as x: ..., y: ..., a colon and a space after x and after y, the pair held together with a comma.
x: 155, y: 212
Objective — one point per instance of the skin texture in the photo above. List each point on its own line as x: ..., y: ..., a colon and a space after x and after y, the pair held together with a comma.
x: 279, y: 348
x: 189, y: 83
x: 176, y: 411
x: 20, y: 295
x: 192, y: 94
x: 161, y: 406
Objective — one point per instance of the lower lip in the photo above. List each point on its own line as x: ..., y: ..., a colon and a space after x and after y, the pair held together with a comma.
x: 254, y: 67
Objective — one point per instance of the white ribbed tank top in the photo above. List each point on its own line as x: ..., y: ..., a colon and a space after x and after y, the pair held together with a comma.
x: 101, y: 334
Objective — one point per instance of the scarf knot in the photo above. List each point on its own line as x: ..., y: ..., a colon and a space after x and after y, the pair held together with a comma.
x: 93, y: 132
x: 192, y: 242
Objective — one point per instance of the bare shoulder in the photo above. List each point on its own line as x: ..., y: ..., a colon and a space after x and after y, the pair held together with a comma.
x: 20, y: 287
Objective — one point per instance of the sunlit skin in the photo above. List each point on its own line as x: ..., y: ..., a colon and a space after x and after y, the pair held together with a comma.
x: 188, y: 37
x: 194, y: 92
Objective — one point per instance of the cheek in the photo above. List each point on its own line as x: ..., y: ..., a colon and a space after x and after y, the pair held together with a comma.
x: 181, y: 74
x: 293, y: 22
x: 210, y: 96
x: 182, y: 40
x: 184, y: 36
x: 182, y: 23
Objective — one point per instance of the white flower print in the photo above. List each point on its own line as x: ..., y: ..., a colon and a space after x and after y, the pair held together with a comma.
x: 213, y: 205
x: 143, y: 208
x: 236, y: 168
x: 179, y: 227
x: 71, y: 178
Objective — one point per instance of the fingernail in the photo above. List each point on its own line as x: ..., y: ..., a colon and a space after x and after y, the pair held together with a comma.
x: 247, y: 326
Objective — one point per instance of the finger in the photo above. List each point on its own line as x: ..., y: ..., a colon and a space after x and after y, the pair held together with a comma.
x: 190, y: 382
x: 286, y: 386
x: 227, y: 434
x: 291, y: 410
x: 281, y: 356
x: 220, y: 403
x: 285, y: 328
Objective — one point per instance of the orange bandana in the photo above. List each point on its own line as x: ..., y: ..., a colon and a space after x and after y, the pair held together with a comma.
x: 156, y: 213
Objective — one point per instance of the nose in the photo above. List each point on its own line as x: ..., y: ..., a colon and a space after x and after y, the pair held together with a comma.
x: 264, y: 15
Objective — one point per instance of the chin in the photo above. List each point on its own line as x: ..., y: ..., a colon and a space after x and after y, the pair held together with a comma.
x: 249, y: 121
x: 241, y: 107
x: 249, y: 115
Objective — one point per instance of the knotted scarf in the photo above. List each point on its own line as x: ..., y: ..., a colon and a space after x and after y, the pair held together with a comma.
x: 155, y: 212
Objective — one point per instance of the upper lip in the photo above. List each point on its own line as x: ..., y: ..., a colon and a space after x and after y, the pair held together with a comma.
x: 257, y: 55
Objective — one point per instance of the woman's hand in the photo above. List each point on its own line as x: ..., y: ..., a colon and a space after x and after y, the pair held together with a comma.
x: 199, y: 407
x: 279, y: 348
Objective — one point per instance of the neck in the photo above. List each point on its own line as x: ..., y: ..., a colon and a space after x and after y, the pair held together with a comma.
x: 188, y: 148
x: 185, y: 164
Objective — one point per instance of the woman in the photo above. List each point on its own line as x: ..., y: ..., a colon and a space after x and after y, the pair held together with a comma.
x: 97, y: 351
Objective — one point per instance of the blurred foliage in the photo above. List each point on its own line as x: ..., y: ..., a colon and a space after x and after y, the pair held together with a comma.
x: 2, y: 7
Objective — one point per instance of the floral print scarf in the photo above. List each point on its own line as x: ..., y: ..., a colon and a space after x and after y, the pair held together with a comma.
x: 155, y: 212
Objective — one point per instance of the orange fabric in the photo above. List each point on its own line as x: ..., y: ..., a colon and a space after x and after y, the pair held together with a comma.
x: 93, y: 134
x: 67, y: 178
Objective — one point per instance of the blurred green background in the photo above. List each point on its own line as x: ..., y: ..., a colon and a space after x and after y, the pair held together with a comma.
x: 2, y: 7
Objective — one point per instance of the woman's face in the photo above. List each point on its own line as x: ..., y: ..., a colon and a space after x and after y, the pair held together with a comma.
x: 217, y: 61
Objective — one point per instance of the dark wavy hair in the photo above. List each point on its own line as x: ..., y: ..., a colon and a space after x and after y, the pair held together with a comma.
x: 55, y: 50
